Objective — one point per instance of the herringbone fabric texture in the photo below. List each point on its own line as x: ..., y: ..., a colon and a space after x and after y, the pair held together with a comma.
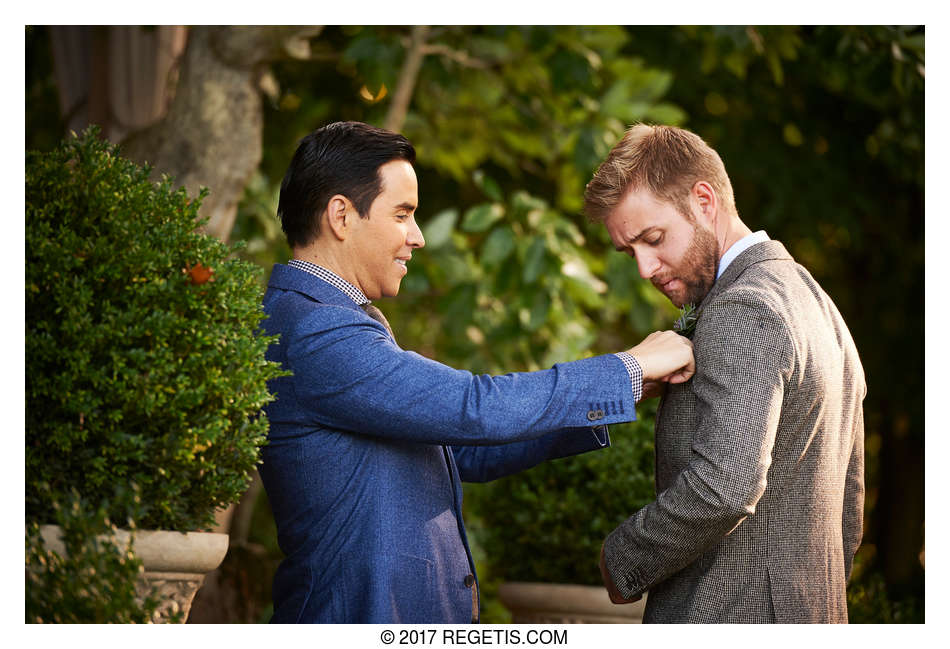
x: 760, y: 460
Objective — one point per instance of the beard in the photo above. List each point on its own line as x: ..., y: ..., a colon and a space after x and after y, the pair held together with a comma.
x: 697, y: 270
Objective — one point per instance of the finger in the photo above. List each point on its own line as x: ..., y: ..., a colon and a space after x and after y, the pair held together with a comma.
x: 682, y: 375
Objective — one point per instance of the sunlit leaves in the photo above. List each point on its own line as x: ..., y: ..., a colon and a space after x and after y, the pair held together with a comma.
x: 438, y: 230
x: 480, y: 217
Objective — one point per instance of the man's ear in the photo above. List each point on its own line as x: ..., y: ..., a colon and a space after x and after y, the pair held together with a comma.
x: 337, y: 209
x: 704, y: 197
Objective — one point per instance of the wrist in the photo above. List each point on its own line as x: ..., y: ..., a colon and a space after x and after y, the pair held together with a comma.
x: 635, y: 372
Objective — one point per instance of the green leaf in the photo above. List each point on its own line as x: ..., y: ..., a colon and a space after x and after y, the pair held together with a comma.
x: 665, y: 113
x: 583, y: 292
x: 481, y: 217
x: 534, y: 260
x: 498, y: 246
x: 540, y: 305
x: 487, y: 185
x: 522, y: 203
x: 438, y: 231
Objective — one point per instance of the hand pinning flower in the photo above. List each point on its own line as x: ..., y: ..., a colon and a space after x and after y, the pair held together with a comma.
x: 686, y: 323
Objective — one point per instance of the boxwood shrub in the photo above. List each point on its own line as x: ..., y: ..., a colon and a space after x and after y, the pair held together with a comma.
x: 144, y: 365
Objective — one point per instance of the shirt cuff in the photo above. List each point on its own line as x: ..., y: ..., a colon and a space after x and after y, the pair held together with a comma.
x: 636, y: 374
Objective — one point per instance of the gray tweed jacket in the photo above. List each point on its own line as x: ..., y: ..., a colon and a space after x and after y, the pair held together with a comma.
x: 759, y: 460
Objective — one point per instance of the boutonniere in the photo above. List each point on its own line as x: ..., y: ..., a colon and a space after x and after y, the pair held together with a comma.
x: 686, y: 323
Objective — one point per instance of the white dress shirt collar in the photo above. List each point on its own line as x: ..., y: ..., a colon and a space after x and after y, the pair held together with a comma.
x: 739, y: 247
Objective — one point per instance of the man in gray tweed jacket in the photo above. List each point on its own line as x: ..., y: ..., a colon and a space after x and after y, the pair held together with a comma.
x: 760, y: 457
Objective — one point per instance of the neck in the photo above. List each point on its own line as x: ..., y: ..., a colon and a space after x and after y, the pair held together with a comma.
x: 325, y: 257
x: 733, y: 230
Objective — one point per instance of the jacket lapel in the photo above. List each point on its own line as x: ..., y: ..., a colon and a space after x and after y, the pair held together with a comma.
x: 765, y: 251
x: 676, y: 414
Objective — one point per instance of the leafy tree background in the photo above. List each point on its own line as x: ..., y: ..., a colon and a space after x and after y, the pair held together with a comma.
x: 821, y: 130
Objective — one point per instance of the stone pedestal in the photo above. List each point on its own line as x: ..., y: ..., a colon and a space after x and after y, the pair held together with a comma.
x: 538, y: 603
x: 175, y: 564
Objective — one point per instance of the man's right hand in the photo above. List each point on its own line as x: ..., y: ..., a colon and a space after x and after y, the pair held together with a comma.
x: 666, y: 356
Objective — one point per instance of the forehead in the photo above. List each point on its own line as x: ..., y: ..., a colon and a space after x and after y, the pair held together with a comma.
x: 640, y: 210
x: 398, y: 180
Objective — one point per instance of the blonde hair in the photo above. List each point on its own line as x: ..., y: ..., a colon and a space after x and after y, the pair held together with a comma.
x: 664, y: 159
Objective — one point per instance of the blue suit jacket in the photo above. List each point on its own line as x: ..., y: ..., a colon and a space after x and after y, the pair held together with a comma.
x: 367, y: 447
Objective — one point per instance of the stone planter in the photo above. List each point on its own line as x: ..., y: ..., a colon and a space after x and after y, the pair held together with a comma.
x: 538, y: 603
x: 175, y: 563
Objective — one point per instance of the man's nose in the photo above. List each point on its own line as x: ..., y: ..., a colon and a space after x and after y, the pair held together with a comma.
x: 647, y: 264
x: 414, y: 238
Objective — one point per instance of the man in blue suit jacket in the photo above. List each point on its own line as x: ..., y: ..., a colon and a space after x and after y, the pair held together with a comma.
x: 369, y: 443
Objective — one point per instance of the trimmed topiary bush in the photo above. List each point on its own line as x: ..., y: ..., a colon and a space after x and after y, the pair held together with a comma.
x: 144, y: 366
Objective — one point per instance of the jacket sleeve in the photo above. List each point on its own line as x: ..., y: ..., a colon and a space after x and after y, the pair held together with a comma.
x: 485, y: 463
x: 852, y: 523
x: 348, y: 374
x: 739, y: 385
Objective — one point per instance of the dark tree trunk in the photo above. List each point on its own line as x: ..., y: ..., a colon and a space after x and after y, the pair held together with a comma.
x: 211, y: 136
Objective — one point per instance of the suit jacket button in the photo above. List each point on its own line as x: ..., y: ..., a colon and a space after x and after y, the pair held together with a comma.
x: 469, y: 581
x: 592, y: 415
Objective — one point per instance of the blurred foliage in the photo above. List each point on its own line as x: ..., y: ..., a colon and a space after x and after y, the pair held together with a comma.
x: 143, y: 364
x: 95, y: 581
x: 821, y: 129
x: 870, y: 600
x: 45, y: 126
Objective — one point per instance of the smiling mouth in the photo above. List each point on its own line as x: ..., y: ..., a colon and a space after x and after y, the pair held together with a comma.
x: 401, y: 262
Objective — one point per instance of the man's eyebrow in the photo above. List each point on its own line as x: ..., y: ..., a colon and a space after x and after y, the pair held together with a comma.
x: 630, y: 242
x: 406, y: 206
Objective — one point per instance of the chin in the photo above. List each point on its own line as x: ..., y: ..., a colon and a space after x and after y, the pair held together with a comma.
x: 676, y: 301
x: 391, y: 291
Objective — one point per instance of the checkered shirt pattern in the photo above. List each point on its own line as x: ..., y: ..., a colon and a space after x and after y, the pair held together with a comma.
x: 636, y: 374
x: 331, y: 278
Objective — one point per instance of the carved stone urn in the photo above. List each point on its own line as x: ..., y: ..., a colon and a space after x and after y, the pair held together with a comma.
x: 175, y: 564
x: 540, y: 603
